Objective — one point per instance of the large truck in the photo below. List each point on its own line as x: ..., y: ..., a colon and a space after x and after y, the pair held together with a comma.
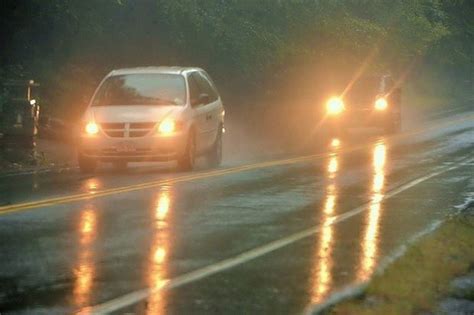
x: 19, y: 113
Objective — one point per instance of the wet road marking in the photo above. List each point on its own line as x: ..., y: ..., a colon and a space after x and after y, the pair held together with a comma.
x: 140, y: 295
x: 152, y: 184
x: 356, y: 289
x: 7, y: 209
x: 452, y: 163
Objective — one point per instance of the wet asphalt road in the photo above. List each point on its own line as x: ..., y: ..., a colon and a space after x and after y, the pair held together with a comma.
x: 204, y: 243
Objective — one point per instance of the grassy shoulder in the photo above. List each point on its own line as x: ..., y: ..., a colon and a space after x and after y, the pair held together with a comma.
x: 416, y: 282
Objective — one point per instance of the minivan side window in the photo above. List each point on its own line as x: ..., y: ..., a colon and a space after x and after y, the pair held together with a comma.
x: 194, y: 90
x: 211, y: 83
x: 205, y: 86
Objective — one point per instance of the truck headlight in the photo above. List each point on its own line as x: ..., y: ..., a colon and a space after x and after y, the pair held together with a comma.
x: 335, y: 106
x: 92, y: 128
x: 381, y: 104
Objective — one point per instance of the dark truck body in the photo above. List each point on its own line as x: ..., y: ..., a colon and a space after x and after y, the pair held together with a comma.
x: 19, y: 112
x: 359, y: 105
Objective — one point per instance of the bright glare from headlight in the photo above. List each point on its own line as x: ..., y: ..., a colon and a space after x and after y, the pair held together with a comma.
x: 167, y: 127
x: 92, y: 128
x: 335, y: 106
x: 335, y: 143
x: 381, y: 104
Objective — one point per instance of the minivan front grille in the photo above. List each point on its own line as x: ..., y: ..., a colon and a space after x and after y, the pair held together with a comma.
x: 112, y: 125
x: 136, y: 134
x: 142, y: 125
x: 124, y: 130
x: 114, y: 134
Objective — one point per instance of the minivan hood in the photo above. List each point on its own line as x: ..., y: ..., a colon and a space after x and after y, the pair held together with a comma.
x: 135, y: 113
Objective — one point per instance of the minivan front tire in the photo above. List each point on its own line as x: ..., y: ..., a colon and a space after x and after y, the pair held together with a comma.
x: 215, y: 154
x: 187, y: 160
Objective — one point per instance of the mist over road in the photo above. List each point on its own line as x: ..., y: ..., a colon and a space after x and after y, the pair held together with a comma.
x: 268, y: 232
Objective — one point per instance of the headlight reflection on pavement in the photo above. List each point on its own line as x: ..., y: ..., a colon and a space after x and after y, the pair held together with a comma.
x: 92, y: 185
x: 322, y: 277
x: 157, y: 273
x: 370, y: 241
x: 84, y: 271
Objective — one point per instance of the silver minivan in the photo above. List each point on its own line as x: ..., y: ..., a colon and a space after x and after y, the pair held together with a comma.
x: 152, y: 114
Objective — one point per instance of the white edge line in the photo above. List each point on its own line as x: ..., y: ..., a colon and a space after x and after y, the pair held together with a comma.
x: 352, y: 291
x: 136, y: 296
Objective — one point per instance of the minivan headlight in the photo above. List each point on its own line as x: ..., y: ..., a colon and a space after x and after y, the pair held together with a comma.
x: 335, y: 106
x: 91, y: 128
x: 381, y: 104
x: 167, y: 126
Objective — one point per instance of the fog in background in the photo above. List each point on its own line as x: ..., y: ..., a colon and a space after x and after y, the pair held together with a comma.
x: 272, y: 60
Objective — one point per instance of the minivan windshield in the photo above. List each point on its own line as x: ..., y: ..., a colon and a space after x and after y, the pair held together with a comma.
x: 141, y: 89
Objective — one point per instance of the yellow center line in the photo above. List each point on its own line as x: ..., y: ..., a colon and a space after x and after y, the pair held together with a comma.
x: 152, y: 184
x: 203, y: 175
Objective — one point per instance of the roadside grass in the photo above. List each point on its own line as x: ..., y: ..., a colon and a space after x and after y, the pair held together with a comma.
x: 415, y: 283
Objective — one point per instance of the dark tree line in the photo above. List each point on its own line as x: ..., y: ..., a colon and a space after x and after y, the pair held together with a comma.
x: 255, y: 49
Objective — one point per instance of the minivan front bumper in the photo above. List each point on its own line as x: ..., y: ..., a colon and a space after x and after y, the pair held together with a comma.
x: 147, y: 148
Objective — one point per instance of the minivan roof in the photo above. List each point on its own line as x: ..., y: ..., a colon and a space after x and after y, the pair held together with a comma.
x: 166, y: 70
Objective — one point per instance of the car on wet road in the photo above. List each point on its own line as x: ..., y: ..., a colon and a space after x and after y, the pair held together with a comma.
x: 152, y: 114
x: 369, y: 101
x: 237, y: 157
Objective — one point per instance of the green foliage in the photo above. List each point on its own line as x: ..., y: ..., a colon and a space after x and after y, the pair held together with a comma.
x: 249, y: 46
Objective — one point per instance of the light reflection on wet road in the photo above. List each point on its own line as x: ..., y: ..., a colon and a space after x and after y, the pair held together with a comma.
x: 182, y: 227
x: 322, y: 277
x: 160, y: 251
x: 84, y: 271
x: 323, y: 272
x: 373, y: 216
